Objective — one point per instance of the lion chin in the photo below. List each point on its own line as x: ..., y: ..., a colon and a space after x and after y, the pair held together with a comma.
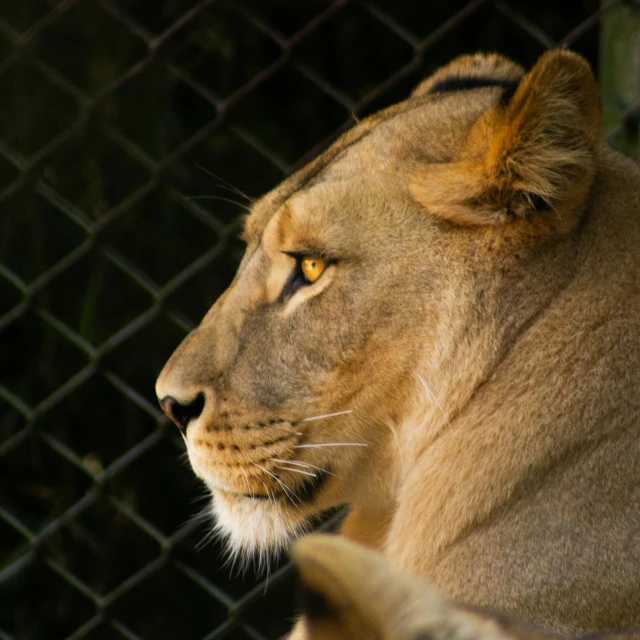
x: 255, y: 529
x: 258, y: 528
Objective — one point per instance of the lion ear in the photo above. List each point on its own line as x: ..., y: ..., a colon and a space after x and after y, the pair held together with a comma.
x: 534, y: 152
x: 334, y: 579
x: 348, y: 592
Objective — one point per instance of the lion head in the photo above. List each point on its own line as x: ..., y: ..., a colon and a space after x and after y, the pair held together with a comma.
x: 379, y: 288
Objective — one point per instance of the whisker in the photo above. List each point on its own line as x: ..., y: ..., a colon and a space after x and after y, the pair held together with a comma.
x: 288, y: 492
x: 246, y: 479
x: 206, y: 539
x: 394, y: 431
x: 304, y: 473
x: 430, y: 394
x: 202, y: 516
x: 242, y: 205
x: 205, y: 496
x: 330, y: 444
x: 327, y: 415
x: 308, y: 465
x: 270, y: 497
x: 226, y: 184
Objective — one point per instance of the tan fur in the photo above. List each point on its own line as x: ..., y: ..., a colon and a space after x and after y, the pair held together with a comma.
x: 466, y: 369
x: 349, y: 593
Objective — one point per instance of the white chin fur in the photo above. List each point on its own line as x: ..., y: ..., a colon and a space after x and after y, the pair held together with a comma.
x: 255, y: 529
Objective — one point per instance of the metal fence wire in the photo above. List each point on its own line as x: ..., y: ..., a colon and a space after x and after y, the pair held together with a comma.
x: 130, y: 132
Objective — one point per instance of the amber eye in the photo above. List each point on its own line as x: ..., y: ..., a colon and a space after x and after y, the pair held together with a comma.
x: 312, y: 268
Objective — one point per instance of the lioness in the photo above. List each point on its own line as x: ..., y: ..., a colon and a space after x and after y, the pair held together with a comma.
x: 437, y: 322
x: 349, y: 593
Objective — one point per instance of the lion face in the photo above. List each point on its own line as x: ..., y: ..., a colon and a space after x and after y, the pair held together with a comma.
x: 286, y: 386
x: 364, y: 274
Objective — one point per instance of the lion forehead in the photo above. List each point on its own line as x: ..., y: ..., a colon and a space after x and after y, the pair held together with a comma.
x: 427, y: 127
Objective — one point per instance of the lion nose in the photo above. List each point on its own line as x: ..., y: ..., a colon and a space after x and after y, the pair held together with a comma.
x: 183, y: 413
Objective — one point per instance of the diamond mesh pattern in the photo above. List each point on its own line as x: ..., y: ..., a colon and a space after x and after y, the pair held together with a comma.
x: 130, y: 131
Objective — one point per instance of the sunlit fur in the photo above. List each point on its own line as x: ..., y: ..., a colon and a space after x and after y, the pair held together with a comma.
x: 464, y: 372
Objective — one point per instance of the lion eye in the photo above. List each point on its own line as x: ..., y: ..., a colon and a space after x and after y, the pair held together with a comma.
x: 312, y: 268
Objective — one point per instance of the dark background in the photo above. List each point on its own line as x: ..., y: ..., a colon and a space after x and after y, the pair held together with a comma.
x: 132, y: 135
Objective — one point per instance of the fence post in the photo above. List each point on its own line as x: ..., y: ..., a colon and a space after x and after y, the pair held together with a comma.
x: 620, y: 75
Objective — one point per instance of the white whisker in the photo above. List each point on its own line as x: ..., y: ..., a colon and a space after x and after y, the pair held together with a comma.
x: 327, y: 415
x: 330, y: 444
x: 208, y: 538
x: 307, y: 465
x: 202, y: 516
x: 204, y: 497
x: 294, y: 462
x: 242, y: 205
x: 287, y: 490
x: 304, y: 473
x: 246, y: 479
x: 430, y: 395
x: 270, y: 497
x: 184, y: 459
x: 427, y: 393
x: 225, y: 184
x: 397, y: 441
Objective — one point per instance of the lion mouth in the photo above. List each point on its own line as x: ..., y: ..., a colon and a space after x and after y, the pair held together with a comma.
x: 304, y: 493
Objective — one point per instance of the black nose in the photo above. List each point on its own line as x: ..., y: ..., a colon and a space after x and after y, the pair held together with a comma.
x: 183, y: 414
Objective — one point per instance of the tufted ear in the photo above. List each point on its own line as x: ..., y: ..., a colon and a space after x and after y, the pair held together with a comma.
x: 533, y: 152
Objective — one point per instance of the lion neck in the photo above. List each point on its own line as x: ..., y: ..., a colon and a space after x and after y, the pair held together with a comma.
x: 482, y: 317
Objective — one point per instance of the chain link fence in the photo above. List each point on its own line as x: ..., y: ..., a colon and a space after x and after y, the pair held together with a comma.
x: 133, y: 134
